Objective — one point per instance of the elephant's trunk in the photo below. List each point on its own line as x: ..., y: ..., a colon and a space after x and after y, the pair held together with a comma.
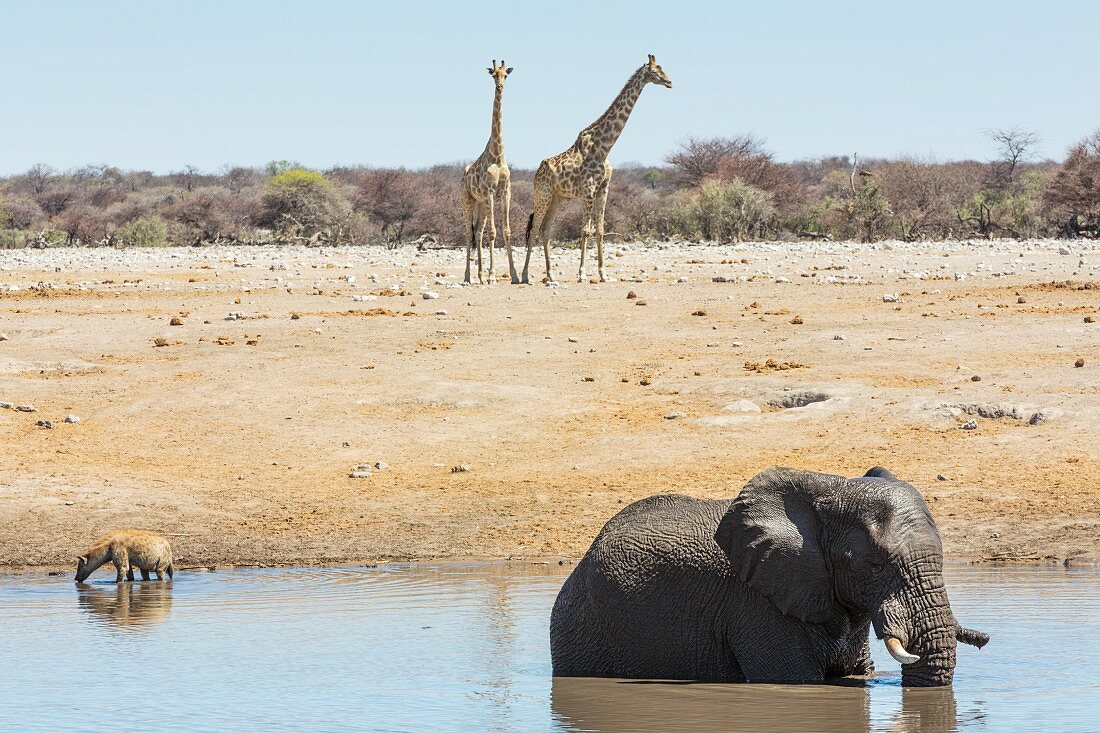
x: 919, y: 630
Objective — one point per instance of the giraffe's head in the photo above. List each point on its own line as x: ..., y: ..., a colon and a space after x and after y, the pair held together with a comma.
x: 654, y: 74
x: 499, y: 73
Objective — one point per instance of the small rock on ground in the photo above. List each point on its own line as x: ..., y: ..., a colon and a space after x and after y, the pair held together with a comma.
x: 970, y: 425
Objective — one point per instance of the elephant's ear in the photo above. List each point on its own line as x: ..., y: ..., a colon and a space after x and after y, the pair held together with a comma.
x: 773, y: 537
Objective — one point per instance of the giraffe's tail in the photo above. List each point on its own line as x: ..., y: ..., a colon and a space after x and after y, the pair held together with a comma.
x: 530, y: 226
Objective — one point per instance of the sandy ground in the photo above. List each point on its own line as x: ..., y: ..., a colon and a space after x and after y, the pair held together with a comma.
x: 237, y: 437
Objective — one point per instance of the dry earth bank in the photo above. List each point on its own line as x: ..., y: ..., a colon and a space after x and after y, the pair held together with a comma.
x: 236, y: 430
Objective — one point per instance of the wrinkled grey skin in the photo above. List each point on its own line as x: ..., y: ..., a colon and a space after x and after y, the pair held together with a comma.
x: 779, y: 585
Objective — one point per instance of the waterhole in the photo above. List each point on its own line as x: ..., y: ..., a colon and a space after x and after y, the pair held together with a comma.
x: 465, y: 648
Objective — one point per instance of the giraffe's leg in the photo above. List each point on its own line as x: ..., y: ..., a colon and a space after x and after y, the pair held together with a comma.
x: 469, y: 208
x: 601, y: 208
x: 542, y: 197
x: 508, y: 230
x: 587, y: 231
x: 482, y: 220
x: 544, y: 234
x: 492, y: 235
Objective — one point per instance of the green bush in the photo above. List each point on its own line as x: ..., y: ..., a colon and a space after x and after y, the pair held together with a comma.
x: 148, y: 231
x: 730, y: 211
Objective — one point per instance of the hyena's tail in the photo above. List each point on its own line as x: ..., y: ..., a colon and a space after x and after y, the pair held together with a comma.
x: 530, y: 226
x: 169, y: 571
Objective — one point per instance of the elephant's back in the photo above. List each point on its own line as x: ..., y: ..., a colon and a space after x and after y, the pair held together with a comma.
x: 628, y: 607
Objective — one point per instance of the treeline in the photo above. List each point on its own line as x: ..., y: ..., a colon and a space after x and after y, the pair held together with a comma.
x: 718, y: 189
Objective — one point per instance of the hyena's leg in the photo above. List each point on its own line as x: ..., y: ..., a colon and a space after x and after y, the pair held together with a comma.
x: 130, y: 573
x: 160, y: 575
x: 169, y: 571
x: 121, y: 559
x: 145, y: 574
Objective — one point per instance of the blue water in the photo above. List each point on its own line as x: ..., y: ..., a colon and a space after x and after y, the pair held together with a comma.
x: 465, y: 648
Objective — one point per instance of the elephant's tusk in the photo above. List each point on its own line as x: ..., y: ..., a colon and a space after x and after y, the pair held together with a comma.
x: 897, y: 651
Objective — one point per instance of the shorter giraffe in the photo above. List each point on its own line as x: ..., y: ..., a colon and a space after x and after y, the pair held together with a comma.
x: 486, y: 180
x: 583, y: 171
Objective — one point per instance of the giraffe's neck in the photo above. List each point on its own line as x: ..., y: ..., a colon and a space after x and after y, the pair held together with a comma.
x: 495, y: 148
x: 606, y: 130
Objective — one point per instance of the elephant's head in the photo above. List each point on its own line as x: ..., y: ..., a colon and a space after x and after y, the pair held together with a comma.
x: 822, y: 548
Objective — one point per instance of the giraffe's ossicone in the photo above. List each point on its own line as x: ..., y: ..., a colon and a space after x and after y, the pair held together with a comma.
x: 582, y: 171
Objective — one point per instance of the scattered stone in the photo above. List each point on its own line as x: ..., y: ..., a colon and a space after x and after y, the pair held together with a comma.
x: 838, y: 337
x: 799, y: 399
x: 360, y: 471
x: 959, y: 276
x: 640, y: 302
x: 176, y: 321
x: 381, y: 465
x: 970, y: 425
x: 1021, y: 300
x: 796, y: 321
x: 1065, y: 251
x: 722, y: 279
x: 72, y: 419
x: 48, y: 424
x: 5, y: 405
x: 782, y: 280
x: 460, y: 468
x: 294, y: 316
x: 235, y: 316
x: 1088, y: 319
x: 890, y: 298
x: 975, y: 378
x: 645, y: 382
x: 631, y: 295
x: 160, y: 342
x: 941, y: 477
x: 1079, y: 363
x: 674, y: 415
x: 26, y: 408
x: 1045, y: 415
x: 699, y: 312
x: 430, y: 295
x: 3, y: 337
x: 589, y: 379
x: 573, y: 339
x: 441, y: 312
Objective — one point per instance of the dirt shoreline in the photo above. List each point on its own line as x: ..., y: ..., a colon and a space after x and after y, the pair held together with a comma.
x: 236, y: 431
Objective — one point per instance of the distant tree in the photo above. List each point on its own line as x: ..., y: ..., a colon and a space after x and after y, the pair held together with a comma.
x: 276, y: 167
x: 699, y: 158
x: 1072, y: 198
x: 390, y: 197
x: 1015, y: 146
x: 38, y: 178
x: 301, y: 203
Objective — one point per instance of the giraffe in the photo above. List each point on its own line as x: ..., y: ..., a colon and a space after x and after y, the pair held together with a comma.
x: 583, y: 170
x: 485, y: 180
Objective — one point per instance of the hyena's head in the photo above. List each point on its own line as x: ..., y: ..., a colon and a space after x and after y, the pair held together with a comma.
x: 82, y: 570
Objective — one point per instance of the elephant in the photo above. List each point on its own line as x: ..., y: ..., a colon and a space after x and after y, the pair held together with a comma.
x: 781, y: 584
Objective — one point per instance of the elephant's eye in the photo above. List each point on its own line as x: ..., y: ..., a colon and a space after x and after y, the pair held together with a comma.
x: 876, y: 565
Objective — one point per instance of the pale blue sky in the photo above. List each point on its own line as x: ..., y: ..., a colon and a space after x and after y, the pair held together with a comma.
x: 160, y: 85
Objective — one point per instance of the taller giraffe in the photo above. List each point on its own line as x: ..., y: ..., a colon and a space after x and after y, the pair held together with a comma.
x: 583, y: 170
x: 486, y: 180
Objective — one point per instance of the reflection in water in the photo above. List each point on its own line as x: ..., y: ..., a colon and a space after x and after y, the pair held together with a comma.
x: 126, y: 604
x: 619, y: 706
x: 926, y: 710
x: 614, y: 706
